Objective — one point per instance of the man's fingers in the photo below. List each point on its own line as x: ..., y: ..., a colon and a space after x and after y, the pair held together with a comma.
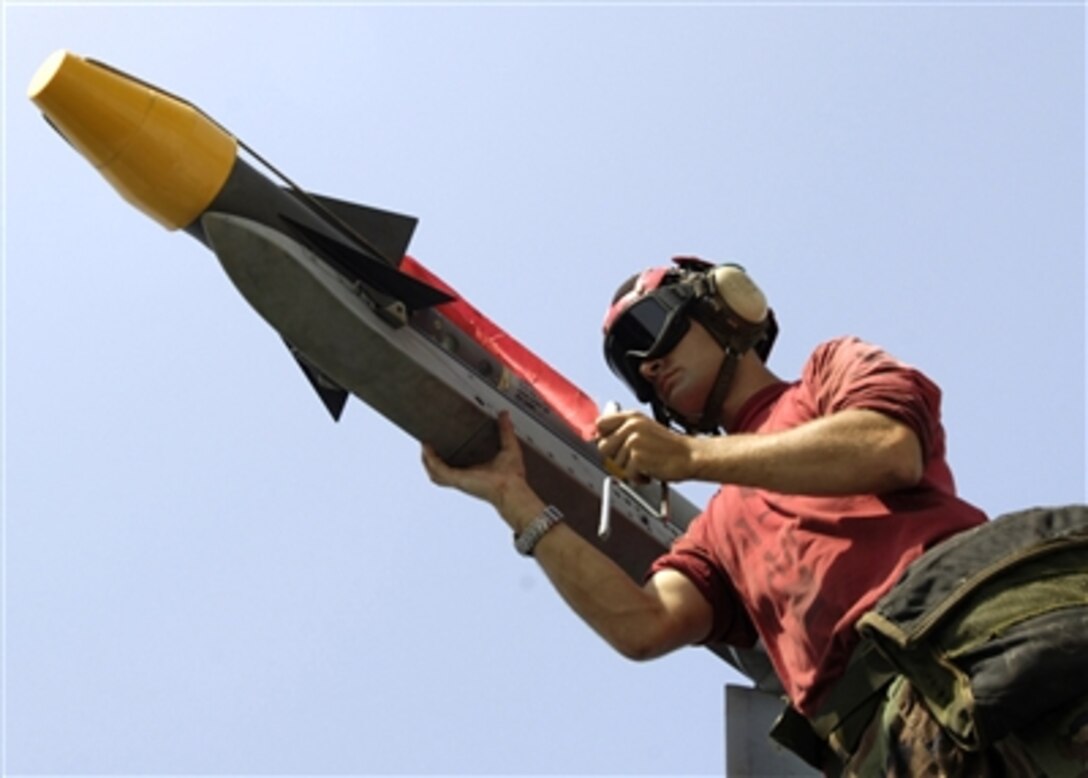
x: 437, y: 470
x: 619, y: 448
x: 608, y: 423
x: 444, y: 474
x: 508, y: 438
x: 628, y: 458
x: 610, y: 447
x: 616, y: 430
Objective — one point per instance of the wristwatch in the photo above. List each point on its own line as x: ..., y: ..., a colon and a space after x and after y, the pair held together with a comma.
x: 527, y: 539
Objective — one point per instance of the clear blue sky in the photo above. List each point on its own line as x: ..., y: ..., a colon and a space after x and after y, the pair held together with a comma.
x: 203, y: 574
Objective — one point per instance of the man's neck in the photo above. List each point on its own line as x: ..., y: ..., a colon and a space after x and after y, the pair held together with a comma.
x: 752, y: 376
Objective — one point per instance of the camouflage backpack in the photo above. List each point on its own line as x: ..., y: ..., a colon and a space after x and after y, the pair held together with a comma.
x: 991, y: 626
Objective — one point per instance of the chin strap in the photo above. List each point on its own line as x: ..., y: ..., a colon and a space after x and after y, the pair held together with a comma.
x: 711, y: 420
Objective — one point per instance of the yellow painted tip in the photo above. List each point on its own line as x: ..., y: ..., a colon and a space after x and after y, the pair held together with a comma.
x: 45, y: 73
x: 161, y: 154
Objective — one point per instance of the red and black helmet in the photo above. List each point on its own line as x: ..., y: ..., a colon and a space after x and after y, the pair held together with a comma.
x: 653, y: 310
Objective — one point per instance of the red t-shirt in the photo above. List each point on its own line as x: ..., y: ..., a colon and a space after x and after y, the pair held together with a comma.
x: 798, y: 571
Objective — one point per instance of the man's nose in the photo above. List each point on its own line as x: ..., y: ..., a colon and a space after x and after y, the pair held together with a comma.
x: 650, y: 368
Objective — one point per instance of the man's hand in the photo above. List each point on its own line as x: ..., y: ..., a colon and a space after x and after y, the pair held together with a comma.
x: 643, y: 448
x: 500, y: 482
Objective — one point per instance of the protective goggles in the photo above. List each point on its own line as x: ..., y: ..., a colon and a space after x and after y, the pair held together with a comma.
x: 648, y: 328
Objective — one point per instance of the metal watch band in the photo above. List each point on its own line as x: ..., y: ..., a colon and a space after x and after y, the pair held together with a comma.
x: 526, y: 541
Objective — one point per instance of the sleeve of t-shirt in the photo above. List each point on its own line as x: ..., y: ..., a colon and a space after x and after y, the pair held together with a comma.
x: 690, y: 556
x: 850, y: 373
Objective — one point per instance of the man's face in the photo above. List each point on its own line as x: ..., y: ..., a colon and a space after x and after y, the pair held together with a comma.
x: 683, y: 378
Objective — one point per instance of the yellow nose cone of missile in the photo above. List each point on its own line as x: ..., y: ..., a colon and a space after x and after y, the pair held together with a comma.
x: 162, y: 155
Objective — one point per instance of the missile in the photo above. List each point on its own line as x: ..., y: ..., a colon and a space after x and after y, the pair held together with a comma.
x: 359, y: 315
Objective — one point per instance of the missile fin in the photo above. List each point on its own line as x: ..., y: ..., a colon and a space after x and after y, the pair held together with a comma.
x: 332, y: 394
x: 386, y: 231
x: 369, y: 271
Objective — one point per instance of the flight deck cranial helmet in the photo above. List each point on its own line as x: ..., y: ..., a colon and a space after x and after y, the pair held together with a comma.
x: 653, y: 310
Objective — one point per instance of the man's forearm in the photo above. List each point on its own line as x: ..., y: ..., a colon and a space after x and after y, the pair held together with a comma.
x: 852, y: 452
x: 629, y: 618
x: 603, y: 595
x: 633, y: 620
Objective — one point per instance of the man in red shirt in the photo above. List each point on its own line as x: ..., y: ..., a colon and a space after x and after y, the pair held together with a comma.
x: 796, y: 557
x: 831, y: 486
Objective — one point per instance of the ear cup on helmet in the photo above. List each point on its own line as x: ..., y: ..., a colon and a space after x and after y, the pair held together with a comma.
x: 740, y: 293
